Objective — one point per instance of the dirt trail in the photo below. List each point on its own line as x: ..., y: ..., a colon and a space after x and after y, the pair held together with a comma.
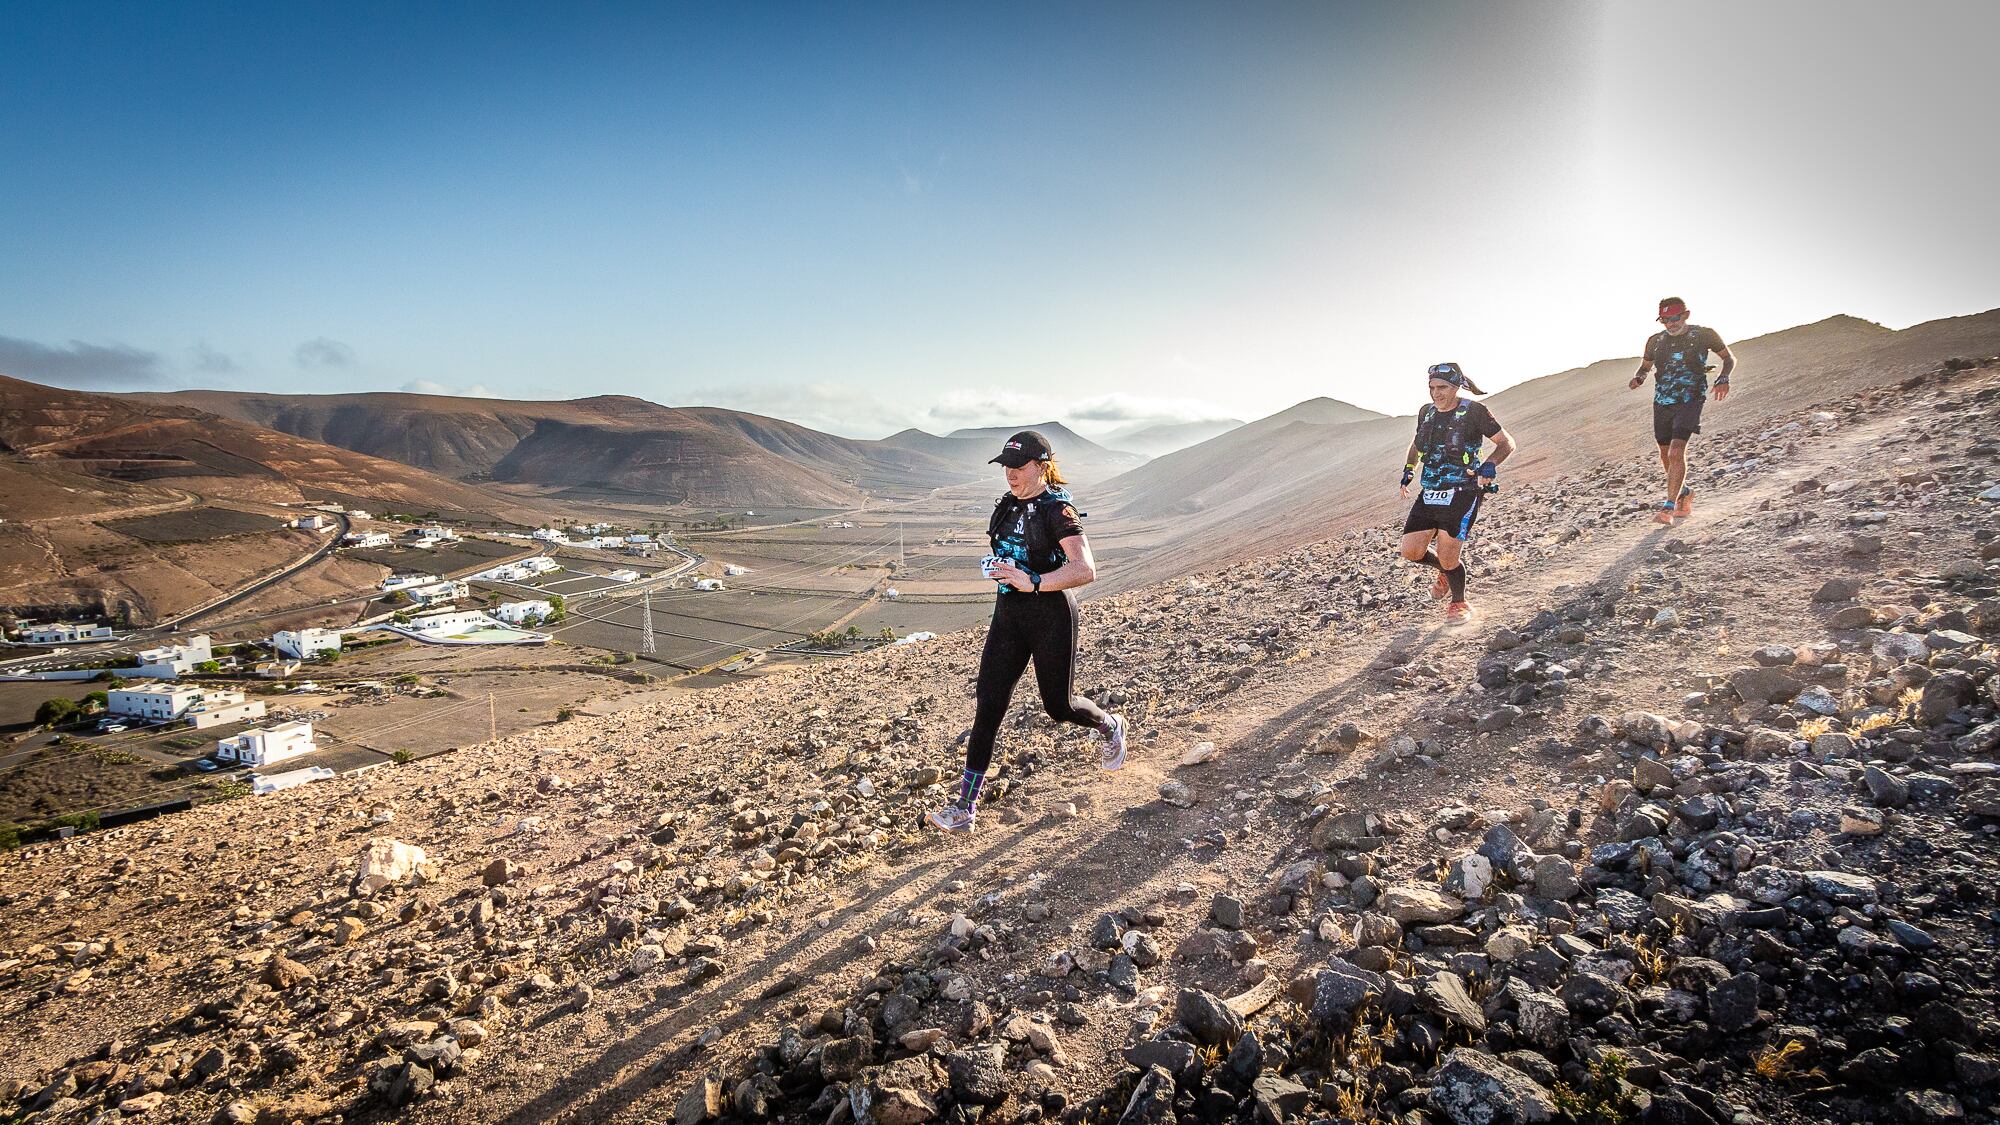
x: 1125, y: 847
x: 644, y: 829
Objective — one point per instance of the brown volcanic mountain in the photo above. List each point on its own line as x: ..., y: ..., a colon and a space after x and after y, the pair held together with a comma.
x: 121, y: 438
x: 1282, y: 481
x: 616, y: 443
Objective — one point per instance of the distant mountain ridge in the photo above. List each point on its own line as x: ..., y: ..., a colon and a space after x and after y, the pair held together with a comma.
x: 699, y: 455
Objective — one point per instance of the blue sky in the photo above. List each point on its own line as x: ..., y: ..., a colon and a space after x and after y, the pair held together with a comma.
x: 883, y: 215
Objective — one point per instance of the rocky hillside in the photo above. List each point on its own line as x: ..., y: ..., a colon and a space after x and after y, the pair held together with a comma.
x: 119, y: 438
x: 1692, y: 825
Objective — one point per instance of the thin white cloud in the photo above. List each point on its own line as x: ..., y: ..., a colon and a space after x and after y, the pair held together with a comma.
x: 1120, y: 408
x: 833, y: 408
x: 427, y: 387
x: 322, y: 352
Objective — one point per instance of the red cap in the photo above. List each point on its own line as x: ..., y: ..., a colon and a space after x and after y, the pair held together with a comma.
x: 1673, y: 306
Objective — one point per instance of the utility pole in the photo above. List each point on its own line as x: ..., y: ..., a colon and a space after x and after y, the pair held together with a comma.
x: 647, y: 644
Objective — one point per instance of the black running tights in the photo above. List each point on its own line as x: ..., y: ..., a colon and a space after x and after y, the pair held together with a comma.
x: 1038, y: 626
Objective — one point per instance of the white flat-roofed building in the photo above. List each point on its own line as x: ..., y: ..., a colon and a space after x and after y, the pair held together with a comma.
x: 366, y: 539
x: 60, y: 633
x: 267, y: 745
x: 436, y: 533
x: 262, y: 783
x: 155, y: 703
x: 709, y: 584
x: 397, y: 582
x: 311, y: 523
x: 637, y: 538
x: 541, y: 564
x: 438, y: 592
x: 523, y: 613
x: 623, y: 576
x: 169, y: 661
x: 551, y: 535
x: 303, y: 644
x: 358, y: 514
x: 455, y: 622
x: 219, y: 708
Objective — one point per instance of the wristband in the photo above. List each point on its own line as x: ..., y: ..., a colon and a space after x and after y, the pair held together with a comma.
x: 1721, y: 381
x: 1487, y: 469
x: 1035, y: 580
x: 1408, y: 476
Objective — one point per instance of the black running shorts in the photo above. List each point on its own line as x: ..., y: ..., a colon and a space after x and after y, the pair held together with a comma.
x: 1678, y: 422
x: 1450, y: 510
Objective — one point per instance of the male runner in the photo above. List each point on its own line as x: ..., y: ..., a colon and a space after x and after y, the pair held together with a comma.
x: 1450, y: 430
x: 1679, y: 355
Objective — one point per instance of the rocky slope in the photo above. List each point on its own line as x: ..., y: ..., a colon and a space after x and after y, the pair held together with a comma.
x: 1693, y: 825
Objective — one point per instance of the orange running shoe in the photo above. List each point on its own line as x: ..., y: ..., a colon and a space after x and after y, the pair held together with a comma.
x: 1441, y: 589
x: 1684, y: 507
x: 1665, y: 515
x: 1457, y: 613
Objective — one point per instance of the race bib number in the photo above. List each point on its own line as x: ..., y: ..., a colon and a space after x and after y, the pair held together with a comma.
x: 1439, y: 495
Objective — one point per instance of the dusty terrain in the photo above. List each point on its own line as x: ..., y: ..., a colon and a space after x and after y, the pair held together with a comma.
x: 1693, y: 824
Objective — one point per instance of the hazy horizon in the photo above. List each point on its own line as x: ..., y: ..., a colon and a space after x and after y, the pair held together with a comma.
x: 887, y: 217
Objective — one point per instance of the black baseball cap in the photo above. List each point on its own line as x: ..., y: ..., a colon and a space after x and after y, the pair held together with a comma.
x: 1022, y: 448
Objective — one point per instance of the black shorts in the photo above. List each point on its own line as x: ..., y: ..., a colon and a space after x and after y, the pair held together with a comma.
x: 1453, y: 517
x: 1678, y: 422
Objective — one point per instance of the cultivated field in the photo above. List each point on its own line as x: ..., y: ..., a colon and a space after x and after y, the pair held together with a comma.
x: 193, y: 525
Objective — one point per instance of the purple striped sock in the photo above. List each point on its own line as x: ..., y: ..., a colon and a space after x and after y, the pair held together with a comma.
x: 968, y: 788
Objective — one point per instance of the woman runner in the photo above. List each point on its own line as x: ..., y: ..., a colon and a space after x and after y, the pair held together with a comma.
x: 1444, y: 463
x: 1039, y: 556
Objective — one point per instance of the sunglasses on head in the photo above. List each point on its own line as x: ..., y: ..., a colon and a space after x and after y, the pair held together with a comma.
x: 1445, y: 371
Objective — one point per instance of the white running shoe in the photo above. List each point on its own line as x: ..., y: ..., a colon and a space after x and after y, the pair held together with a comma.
x: 1113, y: 755
x: 952, y: 818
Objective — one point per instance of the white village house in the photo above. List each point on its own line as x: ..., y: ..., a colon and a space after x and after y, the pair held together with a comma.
x: 170, y: 661
x: 264, y: 746
x: 199, y: 707
x: 59, y: 633
x: 157, y: 703
x: 218, y: 708
x: 303, y: 644
x: 522, y: 613
x: 623, y: 576
x: 435, y: 533
x: 311, y: 523
x: 550, y: 535
x: 397, y: 582
x: 438, y: 592
x: 445, y: 624
x: 366, y: 539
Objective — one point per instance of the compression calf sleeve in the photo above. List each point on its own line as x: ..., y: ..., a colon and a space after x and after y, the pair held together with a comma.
x: 1456, y: 577
x: 1430, y: 559
x: 969, y: 784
